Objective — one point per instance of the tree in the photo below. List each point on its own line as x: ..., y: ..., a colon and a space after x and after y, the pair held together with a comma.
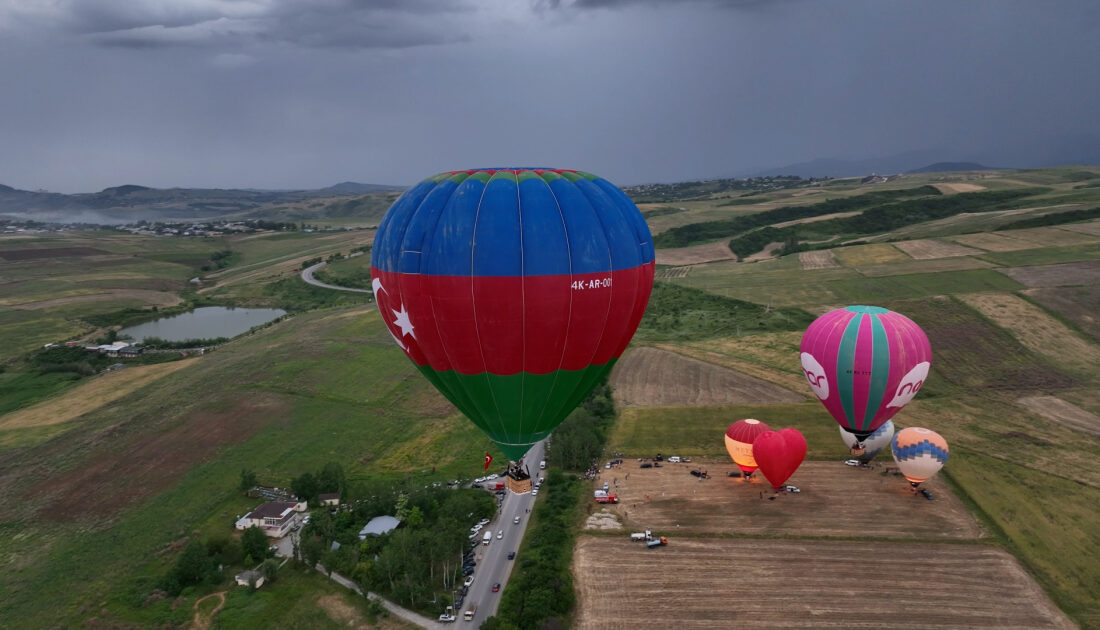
x: 248, y: 479
x: 193, y: 567
x: 401, y: 509
x: 270, y: 569
x: 254, y: 543
x: 331, y: 478
x: 305, y: 486
x: 416, y: 518
x: 312, y: 550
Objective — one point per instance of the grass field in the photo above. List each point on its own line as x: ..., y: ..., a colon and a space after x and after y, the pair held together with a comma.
x: 327, y: 386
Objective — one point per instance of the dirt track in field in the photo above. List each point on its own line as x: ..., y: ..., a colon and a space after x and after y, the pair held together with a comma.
x: 153, y: 298
x: 650, y: 377
x: 836, y: 500
x: 1036, y: 330
x: 728, y: 583
x: 1062, y: 412
x: 929, y: 249
x: 1060, y: 275
x: 694, y: 255
x: 99, y: 391
x: 818, y: 259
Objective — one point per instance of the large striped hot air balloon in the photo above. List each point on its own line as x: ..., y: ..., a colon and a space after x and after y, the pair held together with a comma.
x: 739, y: 438
x: 514, y: 291
x: 919, y: 453
x: 865, y: 364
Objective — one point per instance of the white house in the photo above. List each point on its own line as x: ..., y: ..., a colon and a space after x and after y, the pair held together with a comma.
x: 329, y: 498
x: 275, y: 518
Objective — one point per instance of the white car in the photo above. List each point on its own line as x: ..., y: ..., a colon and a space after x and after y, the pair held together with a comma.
x: 674, y: 459
x: 491, y: 476
x: 469, y: 580
x: 483, y: 522
x: 535, y: 492
x: 500, y: 534
x: 851, y: 462
x: 792, y: 489
x: 516, y: 520
x: 445, y: 618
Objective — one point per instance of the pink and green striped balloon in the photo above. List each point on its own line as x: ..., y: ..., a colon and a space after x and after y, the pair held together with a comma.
x: 865, y: 363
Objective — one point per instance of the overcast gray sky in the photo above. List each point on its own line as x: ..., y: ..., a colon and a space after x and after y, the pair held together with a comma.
x: 306, y: 93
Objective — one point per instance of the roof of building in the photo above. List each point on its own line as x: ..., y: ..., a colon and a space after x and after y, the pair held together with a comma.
x: 249, y: 573
x: 327, y: 496
x: 272, y: 509
x: 379, y: 525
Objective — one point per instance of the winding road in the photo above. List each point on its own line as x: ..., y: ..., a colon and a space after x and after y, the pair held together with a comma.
x: 307, y: 275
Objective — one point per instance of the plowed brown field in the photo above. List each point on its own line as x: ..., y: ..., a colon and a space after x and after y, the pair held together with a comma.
x: 1060, y: 275
x: 836, y: 500
x: 723, y: 583
x: 651, y: 377
x: 694, y: 255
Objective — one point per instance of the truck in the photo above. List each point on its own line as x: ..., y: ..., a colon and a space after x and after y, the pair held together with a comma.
x: 471, y: 610
x: 498, y: 485
x: 487, y: 538
x: 656, y: 542
x: 608, y: 498
x: 641, y: 536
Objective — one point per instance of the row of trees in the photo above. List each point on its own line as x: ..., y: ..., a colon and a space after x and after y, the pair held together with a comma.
x: 203, y: 562
x: 709, y: 230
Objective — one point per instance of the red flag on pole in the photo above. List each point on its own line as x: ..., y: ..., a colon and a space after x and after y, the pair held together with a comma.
x: 488, y: 460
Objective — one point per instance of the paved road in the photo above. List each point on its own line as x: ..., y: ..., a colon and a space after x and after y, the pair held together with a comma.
x: 307, y: 275
x: 493, y: 564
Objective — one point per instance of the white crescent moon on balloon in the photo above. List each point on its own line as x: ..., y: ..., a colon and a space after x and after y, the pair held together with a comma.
x: 376, y: 285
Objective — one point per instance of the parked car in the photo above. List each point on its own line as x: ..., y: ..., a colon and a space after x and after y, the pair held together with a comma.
x: 511, y: 555
x: 483, y: 522
x: 792, y: 489
x: 851, y: 462
x: 647, y: 465
x: 926, y: 494
x: 496, y: 587
x: 469, y: 580
x: 468, y: 571
x: 674, y: 460
x: 445, y: 618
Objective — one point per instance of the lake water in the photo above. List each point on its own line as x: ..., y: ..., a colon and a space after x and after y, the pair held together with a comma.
x: 207, y: 322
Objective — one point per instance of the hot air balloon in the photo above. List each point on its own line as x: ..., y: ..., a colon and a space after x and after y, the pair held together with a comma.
x: 865, y: 364
x: 779, y: 454
x: 920, y: 454
x: 739, y: 438
x: 871, y: 446
x: 514, y: 291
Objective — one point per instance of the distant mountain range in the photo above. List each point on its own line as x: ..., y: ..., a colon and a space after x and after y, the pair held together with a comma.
x: 1057, y: 151
x: 131, y: 203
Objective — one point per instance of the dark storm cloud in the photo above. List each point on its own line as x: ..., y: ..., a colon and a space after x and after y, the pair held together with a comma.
x: 214, y: 23
x: 301, y: 93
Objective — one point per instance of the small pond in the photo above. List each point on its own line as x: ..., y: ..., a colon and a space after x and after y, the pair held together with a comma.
x: 207, y: 322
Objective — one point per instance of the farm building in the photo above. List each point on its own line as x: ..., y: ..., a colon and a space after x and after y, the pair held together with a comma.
x: 250, y: 577
x: 329, y: 498
x: 379, y: 525
x: 275, y: 518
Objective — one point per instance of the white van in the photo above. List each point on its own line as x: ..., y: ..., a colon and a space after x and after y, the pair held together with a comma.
x: 674, y: 459
x: 488, y: 538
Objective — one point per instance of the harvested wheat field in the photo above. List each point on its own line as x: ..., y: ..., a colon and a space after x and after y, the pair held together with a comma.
x: 649, y: 377
x: 101, y: 390
x: 1090, y: 227
x: 819, y: 259
x: 836, y: 500
x: 694, y: 255
x: 668, y: 273
x: 1036, y: 330
x: 993, y: 242
x: 730, y: 583
x: 948, y: 189
x: 1062, y: 412
x: 928, y: 249
x: 1060, y: 275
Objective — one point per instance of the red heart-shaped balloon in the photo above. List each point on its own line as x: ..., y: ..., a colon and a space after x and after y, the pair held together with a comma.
x: 779, y: 454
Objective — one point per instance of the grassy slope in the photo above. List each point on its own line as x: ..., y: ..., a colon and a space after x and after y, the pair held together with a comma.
x: 349, y: 396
